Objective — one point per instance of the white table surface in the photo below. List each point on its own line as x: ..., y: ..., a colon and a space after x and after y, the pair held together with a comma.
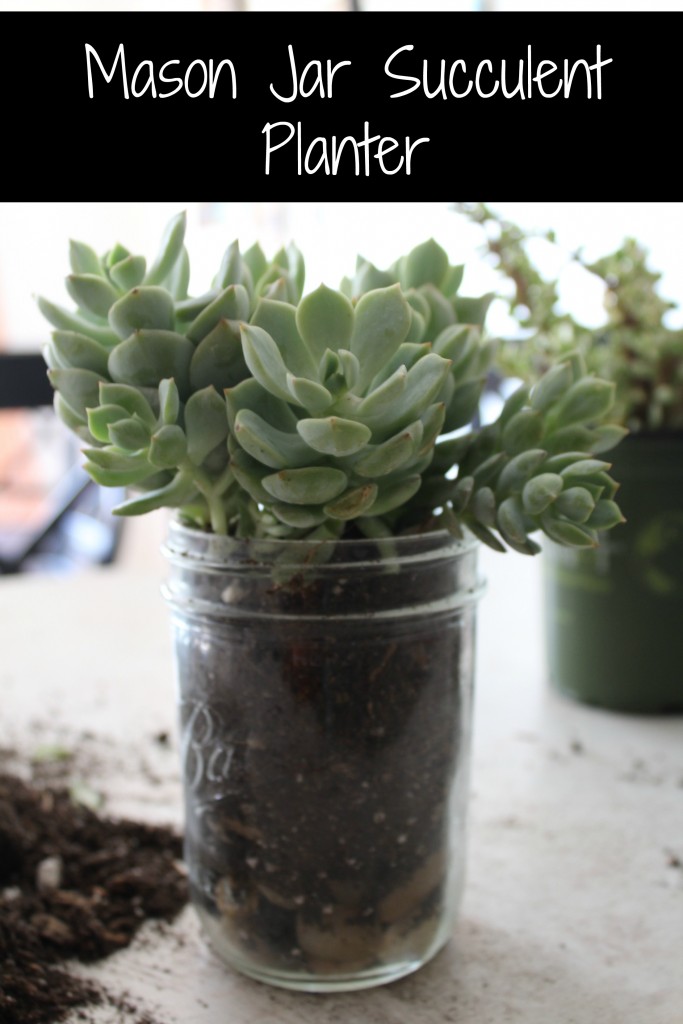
x: 573, y: 912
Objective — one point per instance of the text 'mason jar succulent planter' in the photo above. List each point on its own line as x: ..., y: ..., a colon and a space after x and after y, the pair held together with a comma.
x: 614, y: 621
x: 330, y: 492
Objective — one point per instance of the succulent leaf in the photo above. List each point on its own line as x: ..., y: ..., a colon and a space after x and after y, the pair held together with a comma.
x: 133, y: 474
x: 168, y: 446
x: 188, y: 309
x: 113, y: 459
x: 150, y: 355
x: 568, y: 534
x: 541, y: 491
x: 232, y: 268
x: 333, y: 435
x: 128, y: 398
x: 263, y: 358
x: 131, y: 434
x: 178, y: 281
x: 472, y: 311
x: 456, y: 342
x: 230, y: 304
x: 78, y: 388
x: 441, y: 314
x: 385, y: 458
x: 250, y: 395
x: 379, y: 402
x: 310, y: 486
x: 606, y: 515
x: 523, y: 431
x: 462, y: 405
x: 406, y: 355
x: 395, y: 493
x: 143, y: 307
x: 66, y: 321
x: 178, y: 492
x: 299, y: 516
x: 552, y: 386
x: 425, y: 264
x: 606, y: 437
x: 170, y: 250
x: 218, y: 359
x: 99, y: 419
x: 91, y: 292
x: 206, y: 423
x: 511, y: 521
x: 71, y: 419
x: 352, y: 503
x: 382, y: 321
x: 256, y: 261
x: 325, y: 319
x: 584, y: 467
x: 129, y: 272
x: 452, y: 280
x: 309, y: 394
x: 422, y: 386
x: 483, y: 505
x: 169, y: 401
x: 368, y: 278
x: 576, y: 503
x: 272, y: 447
x: 587, y: 399
x: 79, y: 352
x: 519, y: 469
x: 278, y: 320
x: 84, y: 260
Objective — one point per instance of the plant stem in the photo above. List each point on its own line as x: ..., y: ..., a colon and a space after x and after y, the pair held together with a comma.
x: 219, y: 523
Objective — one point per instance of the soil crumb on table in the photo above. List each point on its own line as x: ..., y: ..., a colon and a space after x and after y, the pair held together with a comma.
x: 74, y: 886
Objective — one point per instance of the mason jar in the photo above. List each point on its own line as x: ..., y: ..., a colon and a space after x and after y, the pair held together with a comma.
x: 325, y: 711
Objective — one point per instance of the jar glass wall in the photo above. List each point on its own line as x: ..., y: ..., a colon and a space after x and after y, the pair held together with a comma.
x: 325, y: 706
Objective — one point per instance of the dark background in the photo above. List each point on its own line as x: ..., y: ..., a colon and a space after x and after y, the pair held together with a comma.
x: 60, y: 144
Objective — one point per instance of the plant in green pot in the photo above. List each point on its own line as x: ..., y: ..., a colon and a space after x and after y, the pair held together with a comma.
x: 329, y: 491
x: 613, y: 614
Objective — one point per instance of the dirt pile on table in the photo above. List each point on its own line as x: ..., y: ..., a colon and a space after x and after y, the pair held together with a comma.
x: 73, y: 886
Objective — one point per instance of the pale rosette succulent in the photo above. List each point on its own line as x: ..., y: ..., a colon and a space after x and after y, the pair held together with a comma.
x: 526, y: 472
x: 139, y: 369
x: 257, y: 412
x: 340, y: 417
x: 532, y: 469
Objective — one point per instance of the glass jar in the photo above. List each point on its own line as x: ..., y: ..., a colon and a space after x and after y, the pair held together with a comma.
x: 325, y: 708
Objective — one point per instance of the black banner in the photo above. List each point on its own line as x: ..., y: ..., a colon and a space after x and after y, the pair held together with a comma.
x: 358, y: 106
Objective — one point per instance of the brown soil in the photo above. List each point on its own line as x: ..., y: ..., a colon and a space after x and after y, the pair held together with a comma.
x: 73, y: 886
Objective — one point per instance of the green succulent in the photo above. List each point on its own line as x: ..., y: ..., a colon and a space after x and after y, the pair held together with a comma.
x: 257, y: 412
x: 451, y: 324
x: 340, y: 416
x: 139, y: 369
x: 533, y: 468
x: 633, y: 347
x: 430, y: 284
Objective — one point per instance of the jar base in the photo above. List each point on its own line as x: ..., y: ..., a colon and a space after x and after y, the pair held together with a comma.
x: 372, y: 977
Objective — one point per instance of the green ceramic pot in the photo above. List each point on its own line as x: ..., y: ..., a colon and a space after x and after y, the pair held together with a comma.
x: 614, y: 615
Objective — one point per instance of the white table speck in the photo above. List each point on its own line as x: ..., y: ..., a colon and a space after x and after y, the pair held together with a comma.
x: 573, y: 912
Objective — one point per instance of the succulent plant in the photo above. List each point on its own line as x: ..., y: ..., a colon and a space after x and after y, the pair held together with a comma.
x: 139, y: 368
x: 261, y: 413
x: 633, y: 347
x: 533, y: 468
x: 430, y: 284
